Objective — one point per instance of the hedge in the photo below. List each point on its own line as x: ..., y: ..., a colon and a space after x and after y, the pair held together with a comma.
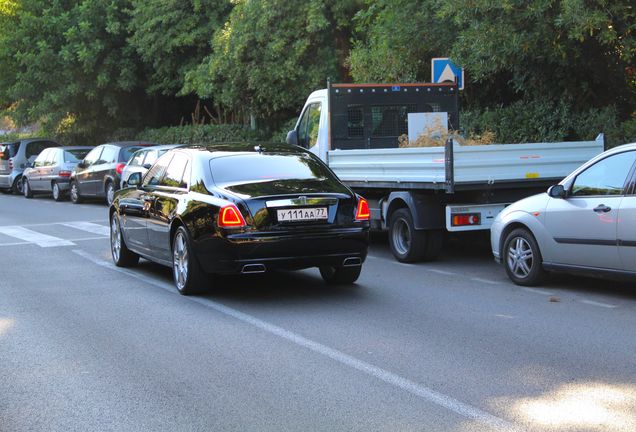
x: 201, y: 134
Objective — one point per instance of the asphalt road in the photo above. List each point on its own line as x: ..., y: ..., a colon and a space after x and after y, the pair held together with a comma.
x: 444, y: 346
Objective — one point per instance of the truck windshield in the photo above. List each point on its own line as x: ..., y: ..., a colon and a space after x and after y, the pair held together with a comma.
x: 239, y: 169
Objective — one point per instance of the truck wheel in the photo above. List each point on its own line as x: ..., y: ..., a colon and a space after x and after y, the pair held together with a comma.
x: 522, y: 258
x: 409, y: 245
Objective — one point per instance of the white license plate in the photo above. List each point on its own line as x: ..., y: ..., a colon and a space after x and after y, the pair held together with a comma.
x: 302, y: 214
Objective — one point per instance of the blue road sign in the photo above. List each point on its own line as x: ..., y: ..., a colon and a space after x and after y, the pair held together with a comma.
x: 443, y: 70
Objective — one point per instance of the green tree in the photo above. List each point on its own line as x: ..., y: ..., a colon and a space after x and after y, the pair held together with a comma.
x: 576, y: 50
x: 271, y: 53
x: 173, y: 36
x: 396, y: 39
x: 72, y: 65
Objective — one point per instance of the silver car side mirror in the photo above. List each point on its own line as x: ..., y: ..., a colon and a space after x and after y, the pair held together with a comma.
x: 557, y: 191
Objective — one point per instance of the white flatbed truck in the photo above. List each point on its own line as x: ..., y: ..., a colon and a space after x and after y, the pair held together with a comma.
x: 419, y: 193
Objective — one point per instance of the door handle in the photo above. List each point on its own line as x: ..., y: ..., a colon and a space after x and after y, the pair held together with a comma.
x: 602, y: 209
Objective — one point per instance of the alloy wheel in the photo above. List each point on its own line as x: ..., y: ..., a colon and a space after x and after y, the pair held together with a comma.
x: 180, y: 261
x: 110, y: 193
x: 74, y: 192
x: 520, y: 257
x: 115, y: 238
x: 56, y: 191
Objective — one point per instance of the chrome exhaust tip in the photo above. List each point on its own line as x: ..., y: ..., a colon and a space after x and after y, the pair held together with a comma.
x: 253, y: 268
x: 352, y: 262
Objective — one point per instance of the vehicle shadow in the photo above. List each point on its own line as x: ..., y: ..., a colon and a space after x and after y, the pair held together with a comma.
x: 272, y: 286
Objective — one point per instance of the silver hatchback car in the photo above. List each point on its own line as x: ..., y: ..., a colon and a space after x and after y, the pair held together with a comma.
x: 142, y: 160
x: 51, y: 171
x: 585, y: 224
x: 14, y: 158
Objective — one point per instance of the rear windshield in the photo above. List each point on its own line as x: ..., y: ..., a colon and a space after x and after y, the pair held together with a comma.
x: 257, y: 167
x: 75, y: 155
x: 8, y: 150
x: 127, y: 152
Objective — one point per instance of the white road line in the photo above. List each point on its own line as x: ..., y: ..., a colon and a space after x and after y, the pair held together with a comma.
x: 57, y: 223
x: 443, y: 272
x: 42, y: 240
x: 486, y: 281
x: 71, y: 240
x: 88, y: 227
x: 537, y: 291
x: 412, y: 387
x: 600, y: 304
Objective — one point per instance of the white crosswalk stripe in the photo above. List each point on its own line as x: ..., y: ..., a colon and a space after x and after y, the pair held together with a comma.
x: 89, y: 227
x: 30, y: 236
x: 55, y: 234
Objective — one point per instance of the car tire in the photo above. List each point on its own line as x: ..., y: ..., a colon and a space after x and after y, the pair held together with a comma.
x: 110, y: 192
x: 410, y: 245
x: 340, y: 275
x: 16, y: 189
x: 26, y: 189
x: 188, y: 276
x: 122, y: 256
x: 57, y: 193
x: 522, y: 258
x: 76, y: 197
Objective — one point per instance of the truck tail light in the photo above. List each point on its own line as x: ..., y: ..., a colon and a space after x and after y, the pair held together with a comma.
x: 466, y: 219
x: 363, y: 213
x: 120, y: 167
x: 64, y: 173
x: 230, y: 217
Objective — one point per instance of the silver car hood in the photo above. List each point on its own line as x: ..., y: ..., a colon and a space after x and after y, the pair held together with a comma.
x: 535, y: 203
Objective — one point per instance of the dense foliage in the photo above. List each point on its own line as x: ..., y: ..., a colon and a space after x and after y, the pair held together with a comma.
x: 535, y: 69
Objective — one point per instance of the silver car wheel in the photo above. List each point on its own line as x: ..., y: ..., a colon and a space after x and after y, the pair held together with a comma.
x: 110, y: 193
x: 401, y: 237
x: 25, y: 187
x: 115, y: 238
x: 74, y: 192
x: 56, y: 191
x: 180, y: 261
x: 520, y: 257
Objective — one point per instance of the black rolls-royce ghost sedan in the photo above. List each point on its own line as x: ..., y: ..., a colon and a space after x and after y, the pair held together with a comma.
x: 240, y: 208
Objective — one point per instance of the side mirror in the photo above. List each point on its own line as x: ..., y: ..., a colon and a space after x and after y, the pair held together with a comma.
x: 81, y: 164
x: 134, y: 179
x: 147, y: 166
x: 30, y: 164
x: 557, y: 191
x: 292, y: 137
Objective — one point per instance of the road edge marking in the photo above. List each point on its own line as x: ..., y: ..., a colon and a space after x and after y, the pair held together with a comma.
x: 412, y: 387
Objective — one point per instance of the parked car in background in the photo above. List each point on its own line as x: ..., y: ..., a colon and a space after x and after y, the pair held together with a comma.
x: 51, y: 171
x: 142, y: 160
x: 15, y: 156
x: 585, y: 224
x: 99, y: 174
x: 240, y: 208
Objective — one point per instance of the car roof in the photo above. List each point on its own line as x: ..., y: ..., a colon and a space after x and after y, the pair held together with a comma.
x: 128, y: 143
x: 227, y: 149
x: 162, y: 147
x: 29, y: 140
x: 75, y: 148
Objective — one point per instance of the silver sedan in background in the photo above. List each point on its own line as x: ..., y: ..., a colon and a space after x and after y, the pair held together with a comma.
x: 142, y: 160
x: 586, y: 224
x: 51, y: 171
